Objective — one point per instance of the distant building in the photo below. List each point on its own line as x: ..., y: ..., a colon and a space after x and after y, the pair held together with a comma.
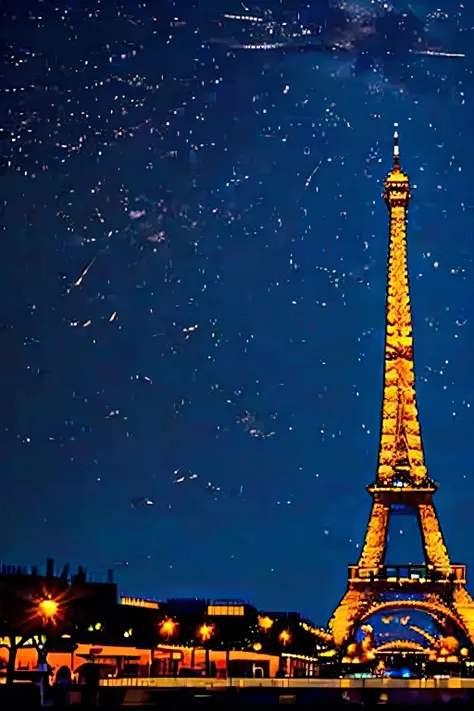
x: 130, y: 636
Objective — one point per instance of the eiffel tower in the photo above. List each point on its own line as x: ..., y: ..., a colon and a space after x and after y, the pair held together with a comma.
x: 437, y: 585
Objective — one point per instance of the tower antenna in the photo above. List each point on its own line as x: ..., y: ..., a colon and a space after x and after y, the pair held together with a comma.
x: 396, y: 148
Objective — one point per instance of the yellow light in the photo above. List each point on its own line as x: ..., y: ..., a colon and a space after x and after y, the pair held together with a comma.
x: 168, y: 627
x: 352, y: 650
x: 265, y: 623
x: 205, y: 632
x: 48, y: 608
x: 285, y: 637
x: 257, y: 646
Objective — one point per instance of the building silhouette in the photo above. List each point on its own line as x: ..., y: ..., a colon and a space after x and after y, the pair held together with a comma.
x: 94, y: 623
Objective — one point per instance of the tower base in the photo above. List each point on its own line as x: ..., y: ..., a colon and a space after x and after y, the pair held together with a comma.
x: 420, y: 587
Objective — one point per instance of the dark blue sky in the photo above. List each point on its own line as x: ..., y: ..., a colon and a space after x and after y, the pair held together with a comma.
x: 236, y: 325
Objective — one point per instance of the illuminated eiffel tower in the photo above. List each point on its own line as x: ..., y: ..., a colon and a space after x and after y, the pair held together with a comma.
x: 402, y: 483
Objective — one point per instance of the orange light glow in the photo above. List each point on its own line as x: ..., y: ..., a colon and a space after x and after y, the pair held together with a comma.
x: 449, y: 645
x: 265, y: 623
x: 168, y: 628
x: 322, y: 634
x: 205, y: 632
x: 48, y: 609
x: 401, y: 645
x: 285, y: 637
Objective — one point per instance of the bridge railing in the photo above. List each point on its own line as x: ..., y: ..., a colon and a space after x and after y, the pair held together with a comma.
x: 308, y: 683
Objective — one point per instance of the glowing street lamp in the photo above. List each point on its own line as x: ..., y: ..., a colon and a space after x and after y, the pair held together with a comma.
x: 168, y: 628
x: 265, y: 623
x: 48, y: 609
x: 205, y: 632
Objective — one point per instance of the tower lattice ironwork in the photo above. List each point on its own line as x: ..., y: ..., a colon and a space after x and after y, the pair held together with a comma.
x: 402, y: 482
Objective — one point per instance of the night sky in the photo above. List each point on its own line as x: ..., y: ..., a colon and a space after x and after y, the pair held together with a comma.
x: 192, y: 297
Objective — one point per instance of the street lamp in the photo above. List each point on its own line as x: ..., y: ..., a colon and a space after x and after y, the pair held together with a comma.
x: 168, y: 628
x: 205, y: 633
x: 265, y: 623
x: 284, y: 638
x: 48, y: 609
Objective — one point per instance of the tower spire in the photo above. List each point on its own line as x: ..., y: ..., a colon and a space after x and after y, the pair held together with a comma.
x: 396, y: 149
x: 401, y: 458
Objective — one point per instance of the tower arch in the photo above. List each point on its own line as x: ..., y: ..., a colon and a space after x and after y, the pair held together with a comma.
x: 436, y: 608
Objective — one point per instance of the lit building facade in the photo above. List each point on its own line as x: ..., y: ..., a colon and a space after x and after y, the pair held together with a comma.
x: 129, y: 636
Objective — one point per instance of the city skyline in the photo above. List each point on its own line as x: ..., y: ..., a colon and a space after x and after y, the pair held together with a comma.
x: 193, y: 286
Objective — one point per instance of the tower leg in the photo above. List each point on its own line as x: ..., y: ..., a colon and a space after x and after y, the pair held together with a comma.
x: 464, y: 605
x: 351, y: 608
